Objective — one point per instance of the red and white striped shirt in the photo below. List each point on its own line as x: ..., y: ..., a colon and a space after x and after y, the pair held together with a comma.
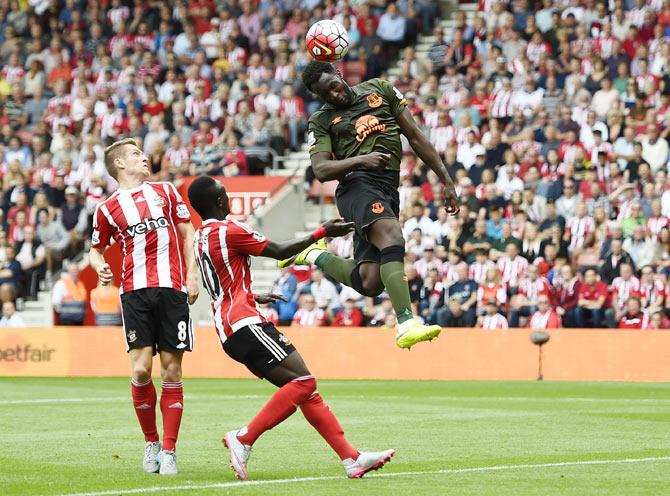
x: 547, y: 320
x: 424, y: 266
x: 622, y: 290
x: 304, y: 317
x: 501, y: 106
x: 655, y: 224
x: 650, y: 292
x: 579, y: 230
x: 117, y: 15
x: 143, y: 221
x: 495, y: 321
x: 222, y: 249
x: 533, y: 289
x: 55, y: 101
x: 477, y: 271
x: 442, y: 137
x: 512, y: 270
x: 195, y: 109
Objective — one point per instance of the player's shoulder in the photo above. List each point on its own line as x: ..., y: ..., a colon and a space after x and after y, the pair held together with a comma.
x: 107, y: 201
x: 378, y: 84
x: 321, y: 116
x: 161, y: 186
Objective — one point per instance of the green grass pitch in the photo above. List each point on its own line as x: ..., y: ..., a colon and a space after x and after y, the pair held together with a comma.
x: 67, y: 436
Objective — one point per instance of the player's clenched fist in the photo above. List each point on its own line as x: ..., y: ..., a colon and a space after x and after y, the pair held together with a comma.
x: 451, y: 199
x: 104, y: 274
x: 338, y: 227
x: 375, y: 161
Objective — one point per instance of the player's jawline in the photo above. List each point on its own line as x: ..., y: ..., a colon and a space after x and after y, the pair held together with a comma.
x: 494, y: 468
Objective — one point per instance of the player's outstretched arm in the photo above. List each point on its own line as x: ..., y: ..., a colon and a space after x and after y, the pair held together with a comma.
x: 96, y: 258
x: 327, y: 169
x: 427, y: 152
x: 192, y: 286
x: 332, y: 228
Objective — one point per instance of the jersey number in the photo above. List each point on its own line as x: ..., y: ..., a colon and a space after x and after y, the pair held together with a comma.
x: 209, y: 277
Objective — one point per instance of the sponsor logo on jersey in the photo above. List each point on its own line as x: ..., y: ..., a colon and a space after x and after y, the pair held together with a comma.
x: 377, y: 207
x: 366, y: 125
x: 374, y: 100
x: 147, y: 225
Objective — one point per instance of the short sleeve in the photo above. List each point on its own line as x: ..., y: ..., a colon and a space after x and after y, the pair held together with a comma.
x: 242, y: 239
x: 393, y: 95
x: 178, y: 210
x: 318, y: 137
x: 102, y: 230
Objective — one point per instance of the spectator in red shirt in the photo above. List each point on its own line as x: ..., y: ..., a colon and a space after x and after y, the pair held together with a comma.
x: 633, y: 317
x: 545, y: 317
x: 349, y: 316
x: 593, y: 295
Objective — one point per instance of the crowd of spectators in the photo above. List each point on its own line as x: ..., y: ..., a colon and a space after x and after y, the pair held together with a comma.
x: 207, y: 86
x: 553, y: 119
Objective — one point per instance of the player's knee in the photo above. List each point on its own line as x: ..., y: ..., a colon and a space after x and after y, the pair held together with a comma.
x: 372, y: 287
x: 171, y: 372
x: 141, y: 373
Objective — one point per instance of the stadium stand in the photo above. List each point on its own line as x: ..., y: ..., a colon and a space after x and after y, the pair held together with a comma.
x: 552, y: 118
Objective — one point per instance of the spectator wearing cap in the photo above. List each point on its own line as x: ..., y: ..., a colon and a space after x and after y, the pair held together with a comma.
x: 492, y: 319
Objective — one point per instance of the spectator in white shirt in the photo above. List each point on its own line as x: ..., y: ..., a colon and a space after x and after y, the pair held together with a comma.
x: 468, y: 151
x: 654, y: 149
x: 9, y: 316
x: 324, y: 291
x: 508, y: 181
x: 418, y: 220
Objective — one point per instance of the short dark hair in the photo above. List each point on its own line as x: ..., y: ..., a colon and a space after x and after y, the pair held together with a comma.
x: 202, y: 193
x: 313, y: 71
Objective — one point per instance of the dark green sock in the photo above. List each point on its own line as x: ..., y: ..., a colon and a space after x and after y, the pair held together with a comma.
x: 336, y: 267
x: 395, y: 281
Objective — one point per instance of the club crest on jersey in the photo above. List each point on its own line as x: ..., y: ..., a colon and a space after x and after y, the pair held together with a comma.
x: 366, y: 125
x: 286, y: 341
x: 132, y: 336
x: 147, y: 225
x: 377, y: 207
x: 159, y: 201
x: 374, y: 100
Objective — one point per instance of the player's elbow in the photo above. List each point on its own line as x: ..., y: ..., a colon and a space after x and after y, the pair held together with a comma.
x: 321, y: 172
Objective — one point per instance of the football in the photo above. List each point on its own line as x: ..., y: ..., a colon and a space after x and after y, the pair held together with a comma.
x: 327, y: 41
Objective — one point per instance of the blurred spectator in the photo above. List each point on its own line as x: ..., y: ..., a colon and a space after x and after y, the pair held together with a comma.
x: 106, y: 305
x: 632, y: 318
x: 349, y: 316
x: 592, y: 302
x: 324, y: 291
x: 492, y: 319
x: 544, y: 317
x: 9, y: 316
x: 624, y: 287
x: 55, y: 240
x: 308, y: 314
x: 31, y: 254
x: 69, y: 298
x: 464, y: 293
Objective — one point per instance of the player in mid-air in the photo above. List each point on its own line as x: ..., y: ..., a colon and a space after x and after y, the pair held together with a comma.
x: 355, y: 139
x: 159, y: 281
x: 222, y: 250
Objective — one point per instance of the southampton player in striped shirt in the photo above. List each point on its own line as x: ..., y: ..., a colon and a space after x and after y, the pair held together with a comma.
x: 223, y: 248
x: 158, y: 282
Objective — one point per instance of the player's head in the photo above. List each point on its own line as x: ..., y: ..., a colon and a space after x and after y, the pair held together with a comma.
x: 208, y: 198
x: 322, y: 79
x: 125, y: 157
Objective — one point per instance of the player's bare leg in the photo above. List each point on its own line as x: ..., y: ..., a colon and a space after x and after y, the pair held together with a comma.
x: 172, y: 406
x: 297, y: 387
x: 144, y: 401
x: 386, y: 235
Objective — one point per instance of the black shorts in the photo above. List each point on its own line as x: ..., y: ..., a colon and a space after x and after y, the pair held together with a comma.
x: 260, y: 347
x: 157, y: 317
x: 363, y: 198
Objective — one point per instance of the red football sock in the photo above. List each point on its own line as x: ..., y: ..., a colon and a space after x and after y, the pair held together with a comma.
x: 172, y: 406
x: 324, y: 421
x: 280, y: 407
x: 144, y: 401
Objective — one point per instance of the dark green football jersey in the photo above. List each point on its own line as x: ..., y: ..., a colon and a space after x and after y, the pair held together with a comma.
x: 368, y: 125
